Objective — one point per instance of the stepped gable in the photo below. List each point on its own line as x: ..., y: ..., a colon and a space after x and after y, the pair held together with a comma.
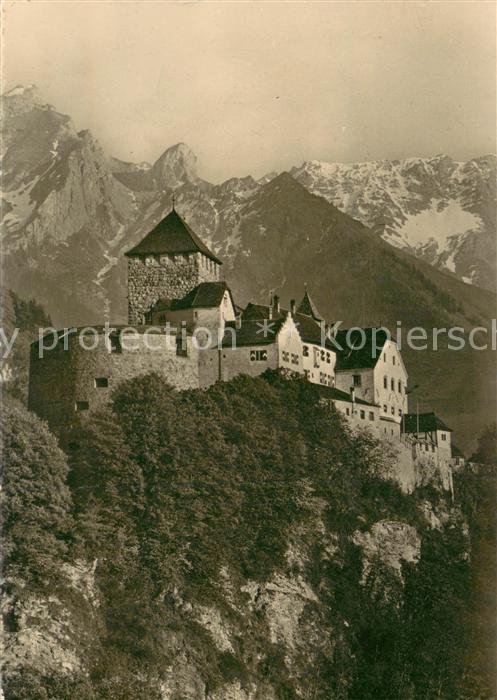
x: 309, y: 328
x: 172, y: 235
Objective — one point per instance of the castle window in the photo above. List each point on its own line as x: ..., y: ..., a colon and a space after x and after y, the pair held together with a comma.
x: 347, y: 411
x: 385, y: 409
x: 400, y: 411
x: 101, y: 382
x: 115, y: 342
x: 393, y: 359
x: 392, y: 384
x: 385, y: 382
x: 306, y: 351
x: 357, y: 379
x: 371, y: 415
x: 400, y: 387
x: 323, y: 356
x: 195, y: 314
x: 443, y: 436
x: 181, y: 348
x: 323, y: 378
x: 306, y: 373
x: 286, y: 356
x: 392, y: 410
x: 328, y: 358
x: 82, y: 405
x: 295, y: 359
x: 384, y: 357
x: 258, y: 355
x: 363, y: 415
x: 316, y: 358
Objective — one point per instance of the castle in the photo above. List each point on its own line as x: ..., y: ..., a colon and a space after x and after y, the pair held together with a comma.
x: 184, y: 324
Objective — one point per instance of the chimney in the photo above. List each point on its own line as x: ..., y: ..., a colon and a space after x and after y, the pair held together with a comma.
x: 292, y: 307
x: 276, y: 303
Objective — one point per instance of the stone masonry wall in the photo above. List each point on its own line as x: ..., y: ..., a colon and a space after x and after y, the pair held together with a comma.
x: 153, y: 277
x: 62, y: 378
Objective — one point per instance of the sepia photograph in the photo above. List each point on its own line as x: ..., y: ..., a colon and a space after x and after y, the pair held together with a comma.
x: 248, y: 350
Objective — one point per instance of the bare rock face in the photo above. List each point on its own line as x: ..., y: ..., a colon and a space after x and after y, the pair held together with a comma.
x: 176, y: 166
x: 390, y: 543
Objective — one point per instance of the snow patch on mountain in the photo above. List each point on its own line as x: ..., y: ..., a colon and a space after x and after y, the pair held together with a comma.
x: 437, y: 223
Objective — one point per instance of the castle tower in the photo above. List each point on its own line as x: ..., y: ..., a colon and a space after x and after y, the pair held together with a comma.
x: 167, y: 264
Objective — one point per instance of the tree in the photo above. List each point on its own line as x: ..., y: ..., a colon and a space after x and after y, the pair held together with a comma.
x: 486, y: 451
x: 36, y: 508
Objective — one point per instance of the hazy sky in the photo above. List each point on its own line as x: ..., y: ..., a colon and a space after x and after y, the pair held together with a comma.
x: 260, y: 86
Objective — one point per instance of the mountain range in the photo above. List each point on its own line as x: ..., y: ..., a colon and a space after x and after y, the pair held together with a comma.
x: 383, y: 242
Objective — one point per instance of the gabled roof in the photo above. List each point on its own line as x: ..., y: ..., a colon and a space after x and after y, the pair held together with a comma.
x: 172, y: 235
x: 253, y: 332
x: 357, y: 354
x: 205, y: 295
x: 308, y: 308
x: 309, y: 329
x: 427, y: 422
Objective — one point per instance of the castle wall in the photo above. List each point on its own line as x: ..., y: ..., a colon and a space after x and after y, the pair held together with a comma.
x: 154, y: 277
x: 360, y: 416
x: 237, y: 360
x: 63, y: 379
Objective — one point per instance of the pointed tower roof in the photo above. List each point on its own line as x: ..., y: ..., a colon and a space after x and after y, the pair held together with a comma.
x: 308, y: 308
x: 172, y: 235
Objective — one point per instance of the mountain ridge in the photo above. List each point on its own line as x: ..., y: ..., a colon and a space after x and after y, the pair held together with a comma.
x: 70, y: 212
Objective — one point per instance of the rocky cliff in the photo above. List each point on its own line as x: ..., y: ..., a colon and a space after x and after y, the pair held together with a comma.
x: 194, y: 552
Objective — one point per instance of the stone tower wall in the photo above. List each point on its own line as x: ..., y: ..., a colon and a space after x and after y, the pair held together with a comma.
x: 166, y: 276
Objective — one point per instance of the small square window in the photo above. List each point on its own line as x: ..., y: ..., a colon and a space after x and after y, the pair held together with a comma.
x: 357, y: 379
x: 101, y: 382
x: 444, y: 436
x: 82, y: 406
